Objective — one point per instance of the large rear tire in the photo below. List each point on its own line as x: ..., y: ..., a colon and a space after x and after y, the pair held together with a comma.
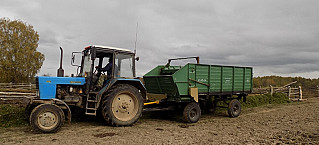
x: 47, y: 118
x: 192, y: 112
x: 122, y: 106
x: 234, y: 108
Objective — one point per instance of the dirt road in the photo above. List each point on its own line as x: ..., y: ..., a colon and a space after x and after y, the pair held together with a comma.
x: 295, y: 123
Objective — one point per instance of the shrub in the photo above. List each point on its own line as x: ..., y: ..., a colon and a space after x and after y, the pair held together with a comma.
x: 11, y: 115
x: 258, y: 100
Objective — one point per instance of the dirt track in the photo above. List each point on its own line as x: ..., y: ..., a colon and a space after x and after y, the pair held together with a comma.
x: 295, y: 123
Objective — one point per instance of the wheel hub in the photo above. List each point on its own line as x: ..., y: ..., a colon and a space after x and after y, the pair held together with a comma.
x: 47, y: 119
x: 193, y: 113
x: 124, y: 106
x: 236, y: 108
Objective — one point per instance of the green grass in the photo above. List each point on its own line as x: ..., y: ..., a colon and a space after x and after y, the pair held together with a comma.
x: 259, y: 100
x: 12, y: 116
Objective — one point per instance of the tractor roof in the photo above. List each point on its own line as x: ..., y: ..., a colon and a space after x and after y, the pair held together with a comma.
x: 108, y: 49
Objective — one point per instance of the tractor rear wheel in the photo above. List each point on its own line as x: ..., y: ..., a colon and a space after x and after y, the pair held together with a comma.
x: 122, y: 106
x: 191, y: 112
x: 234, y: 108
x: 47, y: 118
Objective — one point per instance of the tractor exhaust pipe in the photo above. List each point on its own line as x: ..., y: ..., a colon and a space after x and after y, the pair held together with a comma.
x: 60, y: 70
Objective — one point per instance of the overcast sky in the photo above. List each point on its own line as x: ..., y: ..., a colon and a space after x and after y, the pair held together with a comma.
x: 276, y: 37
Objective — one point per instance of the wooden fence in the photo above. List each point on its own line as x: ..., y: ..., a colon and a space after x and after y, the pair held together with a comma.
x: 9, y: 90
x: 311, y: 92
x: 294, y: 93
x: 16, y: 90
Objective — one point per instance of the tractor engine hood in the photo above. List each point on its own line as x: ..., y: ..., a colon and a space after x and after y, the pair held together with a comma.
x: 47, y: 85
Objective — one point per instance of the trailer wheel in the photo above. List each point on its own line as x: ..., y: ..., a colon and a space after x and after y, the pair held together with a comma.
x: 122, y: 106
x: 47, y: 118
x: 234, y: 108
x: 192, y: 112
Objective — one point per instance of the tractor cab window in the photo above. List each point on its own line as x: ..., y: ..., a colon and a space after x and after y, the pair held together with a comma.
x: 86, y: 67
x: 123, y: 66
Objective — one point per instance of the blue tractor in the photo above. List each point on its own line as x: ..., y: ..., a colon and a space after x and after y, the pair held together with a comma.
x: 119, y: 95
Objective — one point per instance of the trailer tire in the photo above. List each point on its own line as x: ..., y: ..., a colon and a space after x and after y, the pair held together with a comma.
x: 191, y: 112
x: 47, y: 118
x: 123, y: 105
x: 234, y: 108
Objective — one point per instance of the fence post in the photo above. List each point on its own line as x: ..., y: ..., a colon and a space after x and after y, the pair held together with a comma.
x: 289, y: 92
x: 300, y: 93
x: 271, y: 90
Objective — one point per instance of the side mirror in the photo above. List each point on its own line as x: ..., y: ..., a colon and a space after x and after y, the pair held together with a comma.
x: 73, y: 57
x: 75, y: 62
x: 137, y: 58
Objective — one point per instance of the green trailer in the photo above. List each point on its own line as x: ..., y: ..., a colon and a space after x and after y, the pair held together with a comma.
x: 195, y: 86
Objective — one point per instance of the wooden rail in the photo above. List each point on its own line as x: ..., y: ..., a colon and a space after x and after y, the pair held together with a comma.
x: 293, y: 93
x: 9, y: 91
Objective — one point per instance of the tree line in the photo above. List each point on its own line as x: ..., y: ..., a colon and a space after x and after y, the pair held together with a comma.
x: 278, y: 81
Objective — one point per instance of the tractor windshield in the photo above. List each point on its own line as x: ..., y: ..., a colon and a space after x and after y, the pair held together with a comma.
x: 124, y: 65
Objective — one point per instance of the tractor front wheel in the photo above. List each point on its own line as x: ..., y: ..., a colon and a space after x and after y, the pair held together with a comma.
x: 191, y: 112
x: 122, y: 106
x: 47, y: 118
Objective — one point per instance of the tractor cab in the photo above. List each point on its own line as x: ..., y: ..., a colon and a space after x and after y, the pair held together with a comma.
x: 119, y: 62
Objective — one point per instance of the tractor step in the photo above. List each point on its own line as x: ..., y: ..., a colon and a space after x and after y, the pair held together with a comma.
x: 91, y: 109
x: 87, y: 113
x: 91, y: 103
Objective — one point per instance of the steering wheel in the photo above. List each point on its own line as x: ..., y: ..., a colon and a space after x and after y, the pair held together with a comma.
x: 98, y: 72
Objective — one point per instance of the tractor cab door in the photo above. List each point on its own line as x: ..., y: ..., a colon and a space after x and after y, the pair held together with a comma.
x: 87, y: 67
x: 93, y: 69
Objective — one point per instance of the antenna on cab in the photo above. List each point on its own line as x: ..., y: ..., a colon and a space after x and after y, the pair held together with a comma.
x: 136, y: 32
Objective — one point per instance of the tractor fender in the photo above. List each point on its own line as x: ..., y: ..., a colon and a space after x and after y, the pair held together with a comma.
x: 69, y: 116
